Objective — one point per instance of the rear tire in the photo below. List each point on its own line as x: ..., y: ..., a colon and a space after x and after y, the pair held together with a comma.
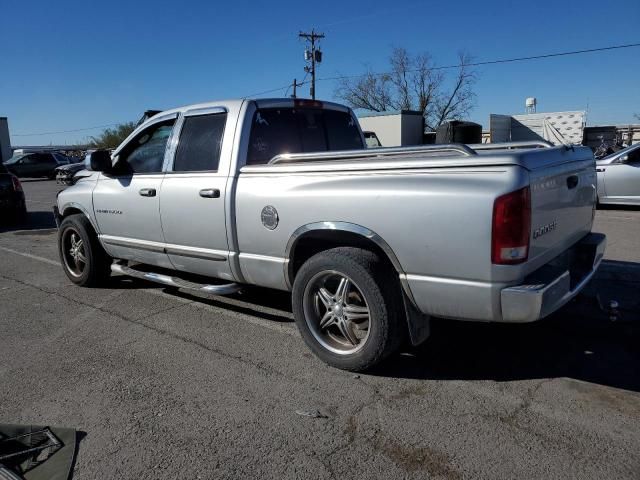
x: 346, y: 303
x: 84, y: 260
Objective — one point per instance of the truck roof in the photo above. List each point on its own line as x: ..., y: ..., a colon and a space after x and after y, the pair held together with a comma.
x: 261, y: 103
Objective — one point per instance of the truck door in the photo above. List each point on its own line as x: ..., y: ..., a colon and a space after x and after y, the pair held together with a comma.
x: 126, y: 201
x: 192, y: 204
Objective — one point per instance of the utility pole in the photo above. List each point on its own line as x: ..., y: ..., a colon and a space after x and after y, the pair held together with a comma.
x: 295, y: 85
x: 314, y: 56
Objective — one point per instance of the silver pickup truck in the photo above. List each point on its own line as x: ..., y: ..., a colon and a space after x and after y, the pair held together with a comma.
x: 281, y: 193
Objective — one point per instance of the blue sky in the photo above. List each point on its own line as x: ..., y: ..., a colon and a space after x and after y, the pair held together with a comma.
x: 77, y: 64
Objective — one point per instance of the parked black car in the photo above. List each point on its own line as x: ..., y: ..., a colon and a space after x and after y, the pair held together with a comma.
x: 36, y: 164
x: 12, y: 204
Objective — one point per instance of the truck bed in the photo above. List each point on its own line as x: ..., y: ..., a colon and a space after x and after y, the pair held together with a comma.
x: 432, y: 205
x: 435, y: 156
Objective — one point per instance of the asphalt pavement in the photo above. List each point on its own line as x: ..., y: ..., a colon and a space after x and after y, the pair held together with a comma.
x: 165, y: 384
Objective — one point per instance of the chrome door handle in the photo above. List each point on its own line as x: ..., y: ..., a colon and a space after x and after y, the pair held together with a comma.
x: 210, y: 193
x: 600, y: 169
x: 147, y: 192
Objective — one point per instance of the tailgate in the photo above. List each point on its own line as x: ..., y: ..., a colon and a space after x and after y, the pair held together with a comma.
x: 563, y: 194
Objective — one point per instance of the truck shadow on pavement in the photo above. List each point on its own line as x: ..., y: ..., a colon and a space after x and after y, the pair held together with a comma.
x: 595, y: 351
x: 580, y: 341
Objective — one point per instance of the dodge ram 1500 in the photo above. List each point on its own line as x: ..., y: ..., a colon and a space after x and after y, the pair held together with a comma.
x: 282, y: 193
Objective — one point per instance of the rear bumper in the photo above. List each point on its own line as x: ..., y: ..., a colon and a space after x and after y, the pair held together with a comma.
x: 539, y: 294
x: 553, y: 285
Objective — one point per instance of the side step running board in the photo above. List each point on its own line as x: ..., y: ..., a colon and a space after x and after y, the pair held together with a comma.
x: 222, y: 289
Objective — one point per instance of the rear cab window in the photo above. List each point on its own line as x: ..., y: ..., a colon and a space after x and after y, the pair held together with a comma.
x: 275, y: 131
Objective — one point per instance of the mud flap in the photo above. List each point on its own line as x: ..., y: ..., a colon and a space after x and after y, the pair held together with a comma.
x: 418, y: 324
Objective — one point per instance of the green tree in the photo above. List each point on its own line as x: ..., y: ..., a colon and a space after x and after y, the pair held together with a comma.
x: 112, y: 137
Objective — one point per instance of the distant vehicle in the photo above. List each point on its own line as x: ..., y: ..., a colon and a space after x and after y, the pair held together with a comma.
x: 372, y: 139
x: 41, y: 164
x: 12, y: 204
x: 619, y: 177
x: 66, y: 174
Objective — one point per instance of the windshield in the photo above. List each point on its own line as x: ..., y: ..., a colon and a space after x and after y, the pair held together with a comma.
x: 621, y: 152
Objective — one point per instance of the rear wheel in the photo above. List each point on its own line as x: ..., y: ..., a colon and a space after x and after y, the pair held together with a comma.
x: 83, y: 259
x: 346, y: 305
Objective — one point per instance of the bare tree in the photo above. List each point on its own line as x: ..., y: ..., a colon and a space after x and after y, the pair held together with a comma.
x: 458, y: 102
x: 413, y: 83
x: 368, y: 92
x: 401, y: 73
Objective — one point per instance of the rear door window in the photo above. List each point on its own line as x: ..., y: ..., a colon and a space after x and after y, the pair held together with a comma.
x: 200, y: 143
x: 275, y: 131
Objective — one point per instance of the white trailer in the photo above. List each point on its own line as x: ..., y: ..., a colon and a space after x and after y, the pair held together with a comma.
x: 398, y: 128
x: 559, y: 128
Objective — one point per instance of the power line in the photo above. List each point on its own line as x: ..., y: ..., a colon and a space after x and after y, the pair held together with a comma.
x: 63, y: 131
x: 494, y: 62
x: 340, y: 77
x: 266, y: 91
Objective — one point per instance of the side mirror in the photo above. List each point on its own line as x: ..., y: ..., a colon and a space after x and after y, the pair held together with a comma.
x: 100, y: 161
x: 623, y: 159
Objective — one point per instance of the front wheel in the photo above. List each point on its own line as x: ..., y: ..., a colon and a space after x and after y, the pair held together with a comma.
x: 83, y: 259
x: 346, y: 305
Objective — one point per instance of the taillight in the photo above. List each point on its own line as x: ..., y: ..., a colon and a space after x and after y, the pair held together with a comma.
x: 511, y: 227
x: 17, y: 186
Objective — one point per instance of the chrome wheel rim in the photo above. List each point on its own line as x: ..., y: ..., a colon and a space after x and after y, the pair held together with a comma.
x: 73, y: 252
x: 336, y: 312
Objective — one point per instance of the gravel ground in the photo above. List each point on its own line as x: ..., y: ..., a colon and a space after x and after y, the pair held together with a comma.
x: 173, y: 385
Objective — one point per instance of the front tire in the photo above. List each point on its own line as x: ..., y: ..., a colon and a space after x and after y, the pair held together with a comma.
x: 346, y: 305
x: 83, y: 259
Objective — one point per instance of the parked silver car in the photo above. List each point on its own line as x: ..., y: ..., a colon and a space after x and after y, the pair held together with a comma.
x: 619, y: 177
